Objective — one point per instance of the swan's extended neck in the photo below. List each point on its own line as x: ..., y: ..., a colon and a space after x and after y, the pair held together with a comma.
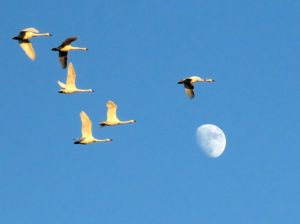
x: 85, y: 90
x: 127, y: 122
x: 41, y: 34
x: 78, y: 48
x: 103, y: 140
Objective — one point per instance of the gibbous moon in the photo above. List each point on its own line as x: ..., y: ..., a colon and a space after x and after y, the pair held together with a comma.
x: 211, y: 140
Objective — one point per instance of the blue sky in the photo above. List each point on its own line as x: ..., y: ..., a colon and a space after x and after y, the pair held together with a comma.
x: 153, y: 171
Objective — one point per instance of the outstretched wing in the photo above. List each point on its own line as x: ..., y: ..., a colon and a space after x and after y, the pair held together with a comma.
x: 67, y: 41
x: 86, y: 128
x: 111, y: 111
x: 189, y: 89
x: 27, y: 48
x: 63, y: 58
x: 62, y: 85
x: 71, y: 76
x: 31, y: 29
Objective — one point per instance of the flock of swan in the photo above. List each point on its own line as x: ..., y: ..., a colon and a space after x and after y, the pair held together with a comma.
x: 70, y: 86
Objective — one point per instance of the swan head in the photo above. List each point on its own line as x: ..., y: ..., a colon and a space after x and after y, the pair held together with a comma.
x: 209, y: 80
x: 55, y: 49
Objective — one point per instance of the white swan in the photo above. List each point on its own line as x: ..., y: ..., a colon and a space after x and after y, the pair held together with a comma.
x: 70, y: 86
x: 112, y: 118
x: 24, y: 42
x: 86, y: 131
x: 189, y: 84
x: 64, y: 48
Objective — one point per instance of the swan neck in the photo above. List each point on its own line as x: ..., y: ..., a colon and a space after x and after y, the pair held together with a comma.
x: 103, y: 140
x: 78, y: 48
x: 41, y: 34
x: 127, y: 122
x: 85, y: 90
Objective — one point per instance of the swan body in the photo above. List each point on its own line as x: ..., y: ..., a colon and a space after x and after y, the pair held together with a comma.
x: 64, y: 48
x: 24, y: 42
x: 112, y: 118
x: 70, y: 86
x: 189, y: 84
x: 86, y: 131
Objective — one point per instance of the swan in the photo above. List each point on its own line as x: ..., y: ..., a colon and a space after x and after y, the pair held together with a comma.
x: 24, y: 42
x: 189, y: 84
x: 112, y: 118
x: 86, y: 131
x: 70, y: 86
x: 64, y: 48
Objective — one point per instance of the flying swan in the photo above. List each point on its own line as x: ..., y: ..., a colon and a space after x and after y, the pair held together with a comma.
x: 64, y: 48
x: 112, y: 118
x: 70, y: 86
x: 24, y: 42
x: 86, y: 131
x: 189, y: 84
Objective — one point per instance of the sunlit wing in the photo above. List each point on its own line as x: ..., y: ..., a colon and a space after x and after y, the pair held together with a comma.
x: 31, y: 29
x: 28, y: 49
x: 86, y: 128
x: 189, y: 89
x: 71, y: 76
x: 63, y: 58
x: 111, y: 111
x: 62, y: 85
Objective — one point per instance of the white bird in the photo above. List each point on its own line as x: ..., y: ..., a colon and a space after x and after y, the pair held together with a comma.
x: 112, y: 118
x: 86, y: 131
x: 64, y: 48
x: 70, y: 86
x: 189, y: 84
x: 24, y: 42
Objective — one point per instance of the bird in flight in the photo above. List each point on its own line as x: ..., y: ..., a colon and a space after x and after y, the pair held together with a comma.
x: 112, y: 118
x: 86, y: 131
x: 24, y: 42
x: 64, y: 48
x: 70, y: 86
x: 189, y: 84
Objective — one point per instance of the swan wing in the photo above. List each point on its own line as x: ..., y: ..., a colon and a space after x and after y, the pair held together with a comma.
x: 68, y: 41
x: 62, y: 85
x: 63, y: 58
x: 86, y: 128
x: 189, y: 89
x: 27, y: 48
x: 111, y: 110
x: 31, y: 29
x: 71, y: 76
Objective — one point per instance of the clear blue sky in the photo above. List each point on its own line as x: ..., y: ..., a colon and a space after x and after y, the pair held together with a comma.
x: 153, y: 171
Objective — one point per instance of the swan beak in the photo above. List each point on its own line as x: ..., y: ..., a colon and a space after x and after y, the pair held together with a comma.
x: 93, y: 90
x: 50, y: 34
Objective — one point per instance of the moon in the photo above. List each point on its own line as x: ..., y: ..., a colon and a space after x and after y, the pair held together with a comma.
x: 211, y: 139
